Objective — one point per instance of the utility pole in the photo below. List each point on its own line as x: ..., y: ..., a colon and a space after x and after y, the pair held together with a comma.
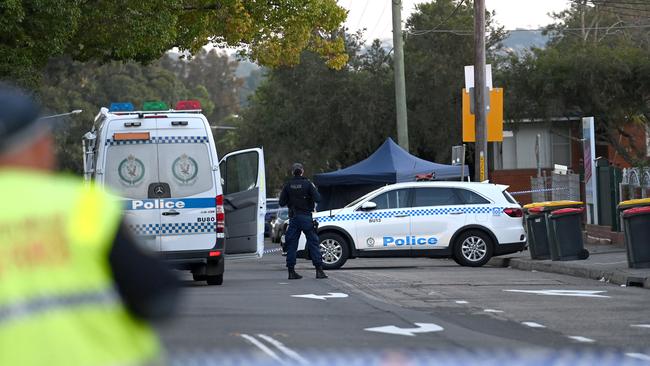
x: 481, y: 151
x: 400, y: 84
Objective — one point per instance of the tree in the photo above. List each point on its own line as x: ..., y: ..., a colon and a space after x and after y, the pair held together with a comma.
x: 273, y: 33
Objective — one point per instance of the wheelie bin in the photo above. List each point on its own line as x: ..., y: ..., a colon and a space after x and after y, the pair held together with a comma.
x: 636, y: 223
x: 539, y: 242
x: 564, y: 227
x: 625, y: 205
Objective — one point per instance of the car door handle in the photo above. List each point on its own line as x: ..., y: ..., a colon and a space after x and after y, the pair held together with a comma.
x: 402, y: 215
x: 457, y: 212
x: 171, y: 213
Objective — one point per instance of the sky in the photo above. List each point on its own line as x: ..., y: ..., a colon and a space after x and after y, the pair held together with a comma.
x: 375, y: 15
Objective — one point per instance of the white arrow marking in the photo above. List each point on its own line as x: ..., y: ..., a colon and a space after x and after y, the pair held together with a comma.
x: 332, y: 295
x: 575, y: 293
x: 493, y: 311
x: 421, y: 328
x: 533, y: 325
x: 640, y: 325
x: 582, y: 339
x: 639, y: 356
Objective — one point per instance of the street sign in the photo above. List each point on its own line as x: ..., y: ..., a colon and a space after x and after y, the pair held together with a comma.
x: 494, y: 117
x: 589, y: 158
x: 469, y: 76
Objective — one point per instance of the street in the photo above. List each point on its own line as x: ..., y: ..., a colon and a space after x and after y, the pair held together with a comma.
x: 407, y: 305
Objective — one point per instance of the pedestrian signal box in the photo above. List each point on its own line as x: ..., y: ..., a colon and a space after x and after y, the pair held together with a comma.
x: 494, y: 117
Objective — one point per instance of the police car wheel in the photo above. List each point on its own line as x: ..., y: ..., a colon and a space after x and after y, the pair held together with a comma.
x: 215, y: 280
x: 334, y: 250
x: 473, y: 248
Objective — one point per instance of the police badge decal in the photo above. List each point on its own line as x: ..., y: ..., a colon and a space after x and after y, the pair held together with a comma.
x: 185, y: 169
x: 131, y: 171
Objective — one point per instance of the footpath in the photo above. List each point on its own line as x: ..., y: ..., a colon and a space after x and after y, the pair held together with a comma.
x: 607, y: 263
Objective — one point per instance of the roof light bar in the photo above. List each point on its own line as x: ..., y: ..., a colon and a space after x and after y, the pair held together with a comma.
x: 155, y: 106
x: 184, y: 105
x: 121, y: 107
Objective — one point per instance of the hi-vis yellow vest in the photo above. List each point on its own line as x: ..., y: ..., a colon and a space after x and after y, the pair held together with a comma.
x: 58, y: 305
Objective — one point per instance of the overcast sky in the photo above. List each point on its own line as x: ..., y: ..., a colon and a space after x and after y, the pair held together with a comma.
x: 375, y: 15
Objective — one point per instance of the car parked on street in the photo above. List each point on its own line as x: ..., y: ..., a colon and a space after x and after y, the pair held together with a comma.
x: 272, y: 207
x: 279, y: 225
x: 469, y: 222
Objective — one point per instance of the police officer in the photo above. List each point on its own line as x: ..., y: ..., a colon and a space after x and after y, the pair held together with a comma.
x: 74, y: 288
x: 301, y: 195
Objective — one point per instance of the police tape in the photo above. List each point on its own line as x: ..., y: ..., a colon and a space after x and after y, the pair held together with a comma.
x: 539, y: 190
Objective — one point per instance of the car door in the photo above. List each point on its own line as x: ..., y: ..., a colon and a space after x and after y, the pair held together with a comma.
x: 244, y: 190
x: 187, y: 187
x: 437, y: 214
x: 387, y: 227
x: 130, y: 169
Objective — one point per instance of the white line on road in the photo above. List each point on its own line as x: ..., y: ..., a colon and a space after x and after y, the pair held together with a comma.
x: 461, y: 302
x: 576, y: 293
x: 493, y: 311
x: 263, y: 347
x: 533, y: 325
x: 582, y: 339
x: 286, y: 350
x: 640, y: 325
x: 639, y: 356
x: 331, y: 295
x: 421, y: 328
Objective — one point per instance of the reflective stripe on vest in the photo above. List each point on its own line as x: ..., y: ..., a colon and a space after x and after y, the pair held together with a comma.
x: 57, y: 302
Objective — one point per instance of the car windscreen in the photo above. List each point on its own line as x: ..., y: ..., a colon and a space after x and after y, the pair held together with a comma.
x: 187, y: 168
x: 130, y: 169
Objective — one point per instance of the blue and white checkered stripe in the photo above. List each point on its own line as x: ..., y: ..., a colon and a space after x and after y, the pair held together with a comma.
x: 411, y: 212
x: 160, y: 140
x: 173, y: 228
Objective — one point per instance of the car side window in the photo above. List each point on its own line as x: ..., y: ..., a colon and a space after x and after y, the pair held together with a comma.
x: 470, y: 198
x: 435, y: 197
x: 392, y: 199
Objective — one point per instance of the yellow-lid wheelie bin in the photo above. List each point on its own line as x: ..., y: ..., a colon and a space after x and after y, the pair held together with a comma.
x: 542, y: 242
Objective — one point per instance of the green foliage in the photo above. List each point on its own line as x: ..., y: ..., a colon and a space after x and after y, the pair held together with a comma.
x: 271, y: 33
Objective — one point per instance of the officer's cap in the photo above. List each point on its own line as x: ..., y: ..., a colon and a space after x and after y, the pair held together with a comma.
x: 19, y: 113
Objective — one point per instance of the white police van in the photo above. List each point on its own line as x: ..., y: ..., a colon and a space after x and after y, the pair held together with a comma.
x: 178, y: 197
x: 469, y: 222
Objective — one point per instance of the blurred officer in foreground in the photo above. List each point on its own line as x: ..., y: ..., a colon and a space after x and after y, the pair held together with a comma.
x: 301, y: 195
x: 74, y: 288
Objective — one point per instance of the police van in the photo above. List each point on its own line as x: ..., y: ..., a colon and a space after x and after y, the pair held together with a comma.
x: 469, y: 222
x: 178, y: 197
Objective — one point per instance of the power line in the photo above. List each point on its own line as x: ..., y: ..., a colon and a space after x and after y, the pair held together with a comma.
x: 383, y: 10
x: 465, y: 32
x: 365, y: 7
x: 453, y: 12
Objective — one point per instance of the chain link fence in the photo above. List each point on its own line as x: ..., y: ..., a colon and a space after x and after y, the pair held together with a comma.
x: 555, y: 187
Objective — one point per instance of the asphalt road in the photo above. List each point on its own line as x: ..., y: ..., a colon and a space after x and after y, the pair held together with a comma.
x: 463, y: 315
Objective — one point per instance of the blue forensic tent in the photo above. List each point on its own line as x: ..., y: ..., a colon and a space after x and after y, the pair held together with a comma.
x: 389, y: 164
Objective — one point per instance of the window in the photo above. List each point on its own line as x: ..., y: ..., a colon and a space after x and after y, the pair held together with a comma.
x: 130, y: 169
x: 471, y: 198
x: 186, y: 168
x: 508, y: 197
x: 435, y: 197
x: 240, y: 172
x: 272, y: 205
x: 392, y: 199
x: 283, y: 214
x: 561, y: 147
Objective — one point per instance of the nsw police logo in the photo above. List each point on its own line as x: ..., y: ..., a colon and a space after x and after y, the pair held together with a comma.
x: 131, y: 170
x: 185, y: 169
x: 370, y: 242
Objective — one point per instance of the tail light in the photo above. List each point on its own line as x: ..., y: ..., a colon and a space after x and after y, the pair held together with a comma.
x: 221, y: 216
x: 514, y: 212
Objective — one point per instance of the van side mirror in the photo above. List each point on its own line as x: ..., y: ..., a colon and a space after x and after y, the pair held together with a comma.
x: 368, y: 206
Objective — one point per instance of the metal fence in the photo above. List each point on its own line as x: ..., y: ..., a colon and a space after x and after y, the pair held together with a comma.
x: 635, y: 184
x: 555, y: 187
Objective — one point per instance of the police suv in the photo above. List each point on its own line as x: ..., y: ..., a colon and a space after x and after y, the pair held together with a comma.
x: 469, y: 222
x: 178, y: 197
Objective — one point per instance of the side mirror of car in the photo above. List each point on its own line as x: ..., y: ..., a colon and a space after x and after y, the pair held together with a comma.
x: 368, y: 206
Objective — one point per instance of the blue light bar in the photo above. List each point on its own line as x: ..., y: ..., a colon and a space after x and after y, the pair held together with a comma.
x: 121, y: 107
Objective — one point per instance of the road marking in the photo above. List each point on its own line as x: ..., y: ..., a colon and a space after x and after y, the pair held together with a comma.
x: 582, y: 339
x: 639, y: 356
x: 533, y: 325
x: 421, y: 328
x: 461, y: 302
x: 640, y: 325
x: 493, y: 311
x: 283, y: 283
x: 332, y: 295
x: 576, y: 293
x: 286, y: 350
x: 263, y: 347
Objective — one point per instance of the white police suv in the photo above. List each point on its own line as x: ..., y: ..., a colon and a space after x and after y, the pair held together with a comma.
x: 181, y: 200
x: 469, y: 222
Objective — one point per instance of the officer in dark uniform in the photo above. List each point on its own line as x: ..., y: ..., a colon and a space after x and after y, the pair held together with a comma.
x: 301, y: 195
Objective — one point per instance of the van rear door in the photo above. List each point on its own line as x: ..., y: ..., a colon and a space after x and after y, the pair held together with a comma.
x: 188, y: 173
x: 244, y: 187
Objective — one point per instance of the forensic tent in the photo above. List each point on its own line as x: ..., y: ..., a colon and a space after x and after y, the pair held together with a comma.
x: 387, y: 165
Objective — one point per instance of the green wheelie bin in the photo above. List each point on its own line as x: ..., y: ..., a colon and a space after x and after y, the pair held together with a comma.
x: 626, y: 205
x: 636, y: 223
x: 539, y: 243
x: 564, y: 227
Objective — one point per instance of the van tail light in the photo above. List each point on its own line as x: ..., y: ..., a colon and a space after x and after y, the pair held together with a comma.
x: 221, y: 216
x: 514, y: 212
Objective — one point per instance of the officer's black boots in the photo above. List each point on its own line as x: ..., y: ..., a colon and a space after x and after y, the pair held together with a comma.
x: 293, y: 275
x: 319, y: 273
